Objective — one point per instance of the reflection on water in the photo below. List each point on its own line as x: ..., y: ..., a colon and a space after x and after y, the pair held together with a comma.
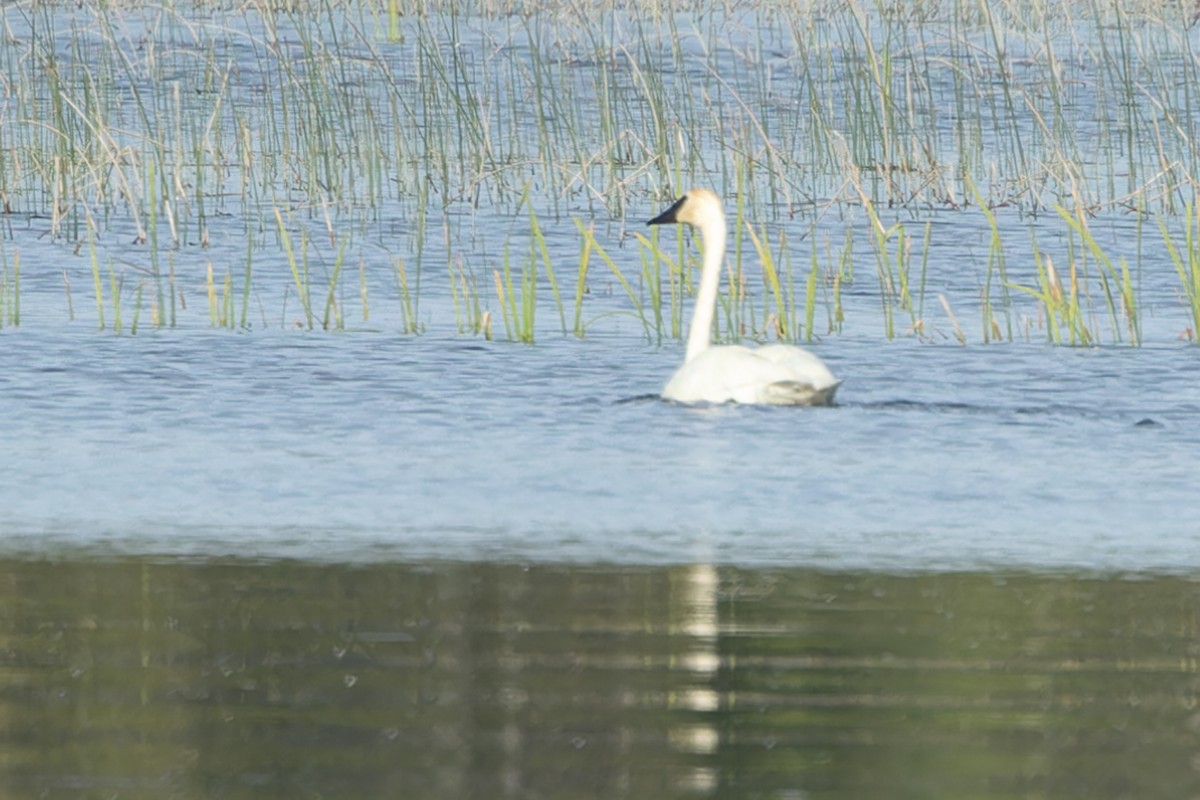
x: 144, y: 678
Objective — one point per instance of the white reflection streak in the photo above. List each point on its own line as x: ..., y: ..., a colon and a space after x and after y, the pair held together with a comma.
x: 699, y: 609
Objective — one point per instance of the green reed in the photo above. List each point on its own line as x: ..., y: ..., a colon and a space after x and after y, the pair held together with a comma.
x: 581, y: 283
x: 679, y: 284
x: 518, y: 307
x: 362, y: 289
x: 300, y: 276
x: 1013, y: 139
x: 784, y: 314
x: 409, y: 300
x: 1185, y: 256
x: 1117, y: 285
x: 996, y: 273
x: 114, y: 289
x: 334, y: 318
x: 540, y: 252
x: 843, y: 276
x: 650, y: 251
x: 137, y: 308
x: 378, y: 115
x: 153, y: 236
x: 959, y: 336
x: 652, y: 284
x: 810, y: 297
x: 10, y: 288
x: 220, y: 302
x: 1066, y: 319
x: 893, y: 253
x: 469, y: 314
x: 247, y: 272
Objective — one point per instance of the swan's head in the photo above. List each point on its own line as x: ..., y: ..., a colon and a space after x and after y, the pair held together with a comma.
x: 699, y: 207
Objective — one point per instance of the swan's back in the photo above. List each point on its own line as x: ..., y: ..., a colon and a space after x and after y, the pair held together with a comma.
x: 775, y: 374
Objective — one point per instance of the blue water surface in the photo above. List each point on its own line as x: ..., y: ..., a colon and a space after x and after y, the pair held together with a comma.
x: 362, y: 444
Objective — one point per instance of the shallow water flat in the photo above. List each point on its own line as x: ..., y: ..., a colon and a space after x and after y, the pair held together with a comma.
x: 145, y: 678
x: 366, y: 444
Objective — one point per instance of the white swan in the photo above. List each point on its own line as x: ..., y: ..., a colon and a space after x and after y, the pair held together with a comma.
x: 778, y: 374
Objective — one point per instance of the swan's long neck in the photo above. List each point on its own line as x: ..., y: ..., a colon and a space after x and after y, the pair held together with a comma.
x: 712, y: 232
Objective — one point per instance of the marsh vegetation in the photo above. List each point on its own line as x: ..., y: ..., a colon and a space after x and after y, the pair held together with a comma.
x: 950, y: 170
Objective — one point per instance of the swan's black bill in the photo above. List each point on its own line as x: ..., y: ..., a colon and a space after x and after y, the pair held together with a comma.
x: 667, y: 217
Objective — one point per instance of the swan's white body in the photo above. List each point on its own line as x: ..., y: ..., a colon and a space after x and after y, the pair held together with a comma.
x: 777, y: 374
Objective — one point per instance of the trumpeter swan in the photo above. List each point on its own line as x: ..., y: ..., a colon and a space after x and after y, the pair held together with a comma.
x: 778, y: 374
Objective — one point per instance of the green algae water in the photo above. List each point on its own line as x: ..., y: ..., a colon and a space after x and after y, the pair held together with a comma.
x: 139, y: 677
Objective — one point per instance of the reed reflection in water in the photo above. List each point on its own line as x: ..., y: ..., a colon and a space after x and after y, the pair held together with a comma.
x: 165, y: 678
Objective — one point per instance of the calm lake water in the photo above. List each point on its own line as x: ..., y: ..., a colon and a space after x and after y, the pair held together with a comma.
x: 274, y: 562
x: 364, y: 446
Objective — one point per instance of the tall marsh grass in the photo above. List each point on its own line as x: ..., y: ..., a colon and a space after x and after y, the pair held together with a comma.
x: 1185, y: 256
x: 155, y: 135
x: 10, y: 288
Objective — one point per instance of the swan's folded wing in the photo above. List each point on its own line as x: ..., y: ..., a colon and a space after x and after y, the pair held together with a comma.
x: 797, y: 393
x: 808, y: 367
